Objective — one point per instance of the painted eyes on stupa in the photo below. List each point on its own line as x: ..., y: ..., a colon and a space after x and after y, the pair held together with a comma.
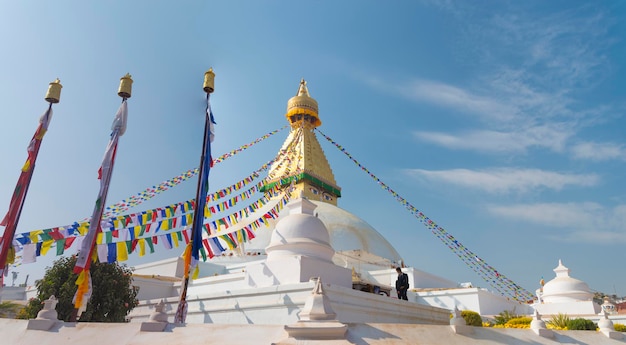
x: 326, y: 196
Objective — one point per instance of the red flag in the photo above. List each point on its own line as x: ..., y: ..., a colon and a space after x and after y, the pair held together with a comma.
x: 12, y: 217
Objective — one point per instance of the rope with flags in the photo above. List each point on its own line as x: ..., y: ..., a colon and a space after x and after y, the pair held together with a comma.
x: 37, y: 243
x: 498, y: 281
x: 11, y: 219
x: 151, y: 192
x: 87, y: 254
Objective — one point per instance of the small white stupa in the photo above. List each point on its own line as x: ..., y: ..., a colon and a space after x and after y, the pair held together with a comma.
x: 299, y: 250
x: 566, y: 295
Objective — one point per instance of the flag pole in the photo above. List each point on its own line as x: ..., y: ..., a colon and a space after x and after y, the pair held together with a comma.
x: 85, y: 255
x: 195, y: 240
x: 10, y: 221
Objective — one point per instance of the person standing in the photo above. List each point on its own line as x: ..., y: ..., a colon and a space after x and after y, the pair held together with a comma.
x: 402, y: 284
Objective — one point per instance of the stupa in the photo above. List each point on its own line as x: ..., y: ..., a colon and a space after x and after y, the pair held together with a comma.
x: 305, y: 281
x: 566, y: 295
x: 269, y: 277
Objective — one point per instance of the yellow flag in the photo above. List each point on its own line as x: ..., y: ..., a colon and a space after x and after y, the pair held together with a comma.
x: 175, y: 240
x: 34, y: 235
x: 83, y: 288
x: 142, y: 247
x: 196, y: 272
x: 26, y: 166
x: 45, y: 247
x: 122, y: 251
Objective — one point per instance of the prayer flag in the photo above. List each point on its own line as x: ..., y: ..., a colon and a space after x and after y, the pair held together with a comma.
x: 83, y: 260
x: 11, y: 219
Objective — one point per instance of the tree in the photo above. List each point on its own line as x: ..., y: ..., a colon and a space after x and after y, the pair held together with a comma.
x: 112, y: 298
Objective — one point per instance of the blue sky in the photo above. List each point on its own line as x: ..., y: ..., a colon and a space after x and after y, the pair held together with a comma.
x: 502, y: 121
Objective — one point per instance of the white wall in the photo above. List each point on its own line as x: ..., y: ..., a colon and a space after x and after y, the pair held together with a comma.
x: 13, y: 293
x: 572, y: 309
x: 282, y: 304
x: 479, y: 300
x: 417, y: 278
x: 150, y: 288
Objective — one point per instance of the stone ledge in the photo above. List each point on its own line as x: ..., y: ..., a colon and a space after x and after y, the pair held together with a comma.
x: 41, y: 324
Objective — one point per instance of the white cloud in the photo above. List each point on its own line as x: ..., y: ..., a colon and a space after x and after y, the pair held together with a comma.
x: 549, y: 214
x: 450, y: 96
x: 505, y: 180
x: 583, y: 222
x: 599, y: 151
x: 499, y: 141
x: 527, y: 94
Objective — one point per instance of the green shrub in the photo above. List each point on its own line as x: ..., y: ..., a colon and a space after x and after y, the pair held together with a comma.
x: 559, y: 321
x: 472, y: 318
x: 505, y: 316
x: 619, y: 327
x: 581, y: 324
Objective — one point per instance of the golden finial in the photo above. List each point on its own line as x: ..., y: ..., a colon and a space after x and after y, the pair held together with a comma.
x: 209, y: 81
x: 54, y: 91
x: 303, y: 90
x: 303, y: 104
x: 126, y: 86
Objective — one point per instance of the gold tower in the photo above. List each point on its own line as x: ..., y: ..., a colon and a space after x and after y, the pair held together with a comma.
x: 302, y: 162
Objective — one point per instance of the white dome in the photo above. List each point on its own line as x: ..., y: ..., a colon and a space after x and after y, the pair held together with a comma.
x: 564, y: 288
x: 300, y: 233
x: 347, y: 233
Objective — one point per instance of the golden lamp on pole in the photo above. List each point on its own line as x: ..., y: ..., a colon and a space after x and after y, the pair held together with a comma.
x: 209, y: 81
x: 126, y: 86
x: 54, y: 92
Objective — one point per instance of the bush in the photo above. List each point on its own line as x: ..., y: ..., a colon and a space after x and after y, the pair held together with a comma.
x: 505, y: 316
x: 619, y: 327
x: 472, y: 318
x: 519, y: 322
x: 581, y: 324
x: 558, y: 321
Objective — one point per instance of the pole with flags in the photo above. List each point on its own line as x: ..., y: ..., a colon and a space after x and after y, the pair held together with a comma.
x: 11, y: 219
x: 87, y: 254
x: 191, y: 254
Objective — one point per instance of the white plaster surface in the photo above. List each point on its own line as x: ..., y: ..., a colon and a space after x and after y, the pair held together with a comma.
x: 282, y: 304
x: 14, y: 332
x: 479, y: 300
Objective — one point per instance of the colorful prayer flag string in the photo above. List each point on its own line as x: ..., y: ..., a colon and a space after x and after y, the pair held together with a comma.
x: 151, y: 192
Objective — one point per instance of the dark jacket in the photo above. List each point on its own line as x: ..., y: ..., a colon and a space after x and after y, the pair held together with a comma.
x: 402, y: 283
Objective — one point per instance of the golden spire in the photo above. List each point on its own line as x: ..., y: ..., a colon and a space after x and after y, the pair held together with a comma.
x: 304, y: 160
x: 302, y: 109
